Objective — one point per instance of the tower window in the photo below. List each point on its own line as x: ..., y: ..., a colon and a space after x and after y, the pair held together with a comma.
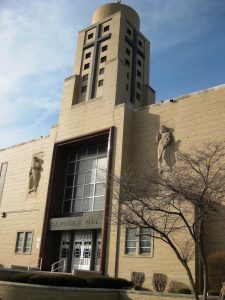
x: 138, y: 85
x: 139, y: 62
x: 86, y: 66
x: 127, y: 87
x: 138, y: 73
x: 85, y: 77
x: 100, y: 83
x: 127, y: 51
x: 87, y: 55
x: 103, y: 59
x: 90, y: 36
x: 138, y: 96
x: 140, y: 44
x: 104, y: 48
x: 106, y: 28
x: 101, y: 71
x: 129, y: 31
x: 127, y: 62
x: 84, y: 89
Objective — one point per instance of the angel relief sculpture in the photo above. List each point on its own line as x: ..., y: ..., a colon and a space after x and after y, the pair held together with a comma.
x: 164, y: 140
x: 35, y: 174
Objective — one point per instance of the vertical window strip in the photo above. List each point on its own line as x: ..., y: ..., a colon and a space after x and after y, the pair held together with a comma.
x: 3, y: 170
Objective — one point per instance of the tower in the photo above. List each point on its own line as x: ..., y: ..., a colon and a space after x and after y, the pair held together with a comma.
x: 113, y: 59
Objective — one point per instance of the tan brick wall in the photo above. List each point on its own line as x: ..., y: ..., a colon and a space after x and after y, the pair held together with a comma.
x: 24, y: 211
x: 194, y: 120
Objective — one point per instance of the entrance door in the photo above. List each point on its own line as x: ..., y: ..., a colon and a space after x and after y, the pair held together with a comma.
x: 98, y: 250
x: 64, y: 251
x: 82, y: 250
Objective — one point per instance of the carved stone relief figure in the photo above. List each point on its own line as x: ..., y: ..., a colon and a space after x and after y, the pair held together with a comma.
x: 34, y: 174
x: 164, y: 140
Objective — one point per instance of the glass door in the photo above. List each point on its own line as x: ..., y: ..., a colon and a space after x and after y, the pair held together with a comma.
x: 98, y: 250
x: 82, y: 249
x: 64, y: 251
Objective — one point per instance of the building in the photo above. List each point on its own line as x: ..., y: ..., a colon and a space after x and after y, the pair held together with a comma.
x: 54, y: 203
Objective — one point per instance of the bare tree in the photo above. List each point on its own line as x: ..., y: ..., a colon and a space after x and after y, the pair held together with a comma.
x: 175, y: 205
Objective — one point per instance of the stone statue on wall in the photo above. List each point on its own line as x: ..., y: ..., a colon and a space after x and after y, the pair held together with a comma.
x: 34, y: 174
x: 164, y: 140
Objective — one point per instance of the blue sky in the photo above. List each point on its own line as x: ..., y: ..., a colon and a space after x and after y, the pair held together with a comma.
x: 38, y: 42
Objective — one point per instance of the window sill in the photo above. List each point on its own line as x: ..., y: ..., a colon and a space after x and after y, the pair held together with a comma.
x: 22, y: 253
x: 148, y: 255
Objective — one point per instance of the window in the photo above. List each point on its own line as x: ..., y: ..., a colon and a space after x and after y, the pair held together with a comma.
x: 86, y: 66
x: 127, y: 62
x: 104, y: 48
x: 127, y: 51
x: 106, y: 28
x: 23, y: 242
x: 128, y: 75
x: 90, y: 36
x: 101, y: 71
x: 127, y: 87
x: 100, y: 83
x: 3, y: 169
x: 140, y: 43
x: 85, y: 180
x: 129, y: 31
x: 87, y: 55
x: 139, y: 73
x: 138, y: 96
x: 85, y: 77
x: 139, y: 62
x: 138, y: 241
x: 84, y: 89
x: 103, y: 59
x: 145, y: 240
x: 131, y: 241
x: 138, y: 85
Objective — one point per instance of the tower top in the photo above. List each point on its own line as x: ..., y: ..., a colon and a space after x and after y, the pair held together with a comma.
x: 108, y: 9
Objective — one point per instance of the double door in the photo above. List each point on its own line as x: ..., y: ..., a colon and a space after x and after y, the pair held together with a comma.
x: 81, y: 250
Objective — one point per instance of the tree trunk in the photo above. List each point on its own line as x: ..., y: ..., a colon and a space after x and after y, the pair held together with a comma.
x: 185, y: 265
x: 193, y: 285
x: 203, y: 261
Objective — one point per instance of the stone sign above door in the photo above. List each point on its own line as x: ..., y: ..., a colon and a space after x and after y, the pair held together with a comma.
x: 89, y: 220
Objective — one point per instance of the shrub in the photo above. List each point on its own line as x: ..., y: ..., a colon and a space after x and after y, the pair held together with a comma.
x: 20, y: 277
x: 216, y: 265
x: 159, y: 282
x: 137, y: 279
x: 177, y: 286
x: 184, y: 291
x: 61, y: 280
x: 214, y: 293
x: 5, y: 276
x: 108, y: 282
